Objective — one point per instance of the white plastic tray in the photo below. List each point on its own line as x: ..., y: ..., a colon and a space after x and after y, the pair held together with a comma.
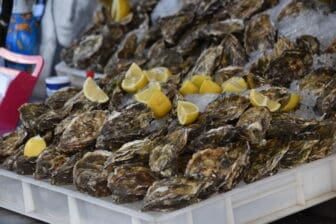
x: 76, y: 76
x: 269, y: 199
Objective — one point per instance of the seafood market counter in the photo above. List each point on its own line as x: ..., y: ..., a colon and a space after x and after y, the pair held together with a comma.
x: 263, y: 201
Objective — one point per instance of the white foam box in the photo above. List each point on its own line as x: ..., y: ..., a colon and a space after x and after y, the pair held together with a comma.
x: 261, y: 202
x: 76, y: 76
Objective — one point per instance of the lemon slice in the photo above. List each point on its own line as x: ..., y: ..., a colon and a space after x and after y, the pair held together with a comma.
x: 292, y: 102
x: 197, y: 80
x: 160, y: 74
x: 187, y: 112
x: 188, y: 88
x: 209, y: 86
x: 146, y: 94
x: 235, y: 84
x: 159, y: 103
x: 120, y: 9
x: 93, y: 92
x: 134, y: 79
x: 133, y: 70
x: 34, y: 146
x: 259, y: 100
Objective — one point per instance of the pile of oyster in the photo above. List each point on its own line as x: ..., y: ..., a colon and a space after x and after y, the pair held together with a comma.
x: 119, y: 149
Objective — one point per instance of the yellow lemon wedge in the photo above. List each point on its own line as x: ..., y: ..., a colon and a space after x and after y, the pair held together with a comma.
x: 188, y: 88
x: 93, y: 92
x: 120, y: 9
x: 235, y: 84
x: 197, y: 80
x: 291, y: 103
x: 209, y: 86
x: 259, y: 100
x: 187, y: 112
x: 146, y: 94
x: 134, y: 79
x: 159, y: 103
x: 160, y: 74
x: 34, y: 146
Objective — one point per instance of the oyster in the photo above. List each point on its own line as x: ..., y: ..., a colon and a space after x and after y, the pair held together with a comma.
x: 259, y: 34
x: 326, y: 104
x: 10, y: 143
x: 308, y: 43
x: 233, y: 52
x: 224, y: 109
x: 82, y: 131
x: 19, y: 163
x: 215, y: 137
x: 162, y: 158
x: 175, y: 192
x: 173, y: 26
x: 224, y: 27
x: 291, y: 65
x: 63, y: 174
x: 223, y: 74
x: 131, y: 152
x: 331, y: 49
x: 130, y: 182
x: 298, y: 153
x: 223, y: 165
x: 322, y: 149
x: 58, y: 99
x: 89, y: 175
x: 48, y: 161
x: 29, y: 115
x: 265, y: 160
x: 318, y: 80
x: 255, y: 122
x: 246, y: 8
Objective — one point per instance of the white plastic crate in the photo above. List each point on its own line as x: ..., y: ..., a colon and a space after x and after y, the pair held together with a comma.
x: 263, y: 201
x: 76, y: 76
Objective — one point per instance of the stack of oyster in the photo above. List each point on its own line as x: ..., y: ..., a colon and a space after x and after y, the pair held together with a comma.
x: 120, y: 149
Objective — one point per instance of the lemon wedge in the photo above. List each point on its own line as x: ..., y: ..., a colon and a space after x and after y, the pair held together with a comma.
x: 209, y: 86
x: 188, y: 88
x: 259, y: 100
x: 134, y: 79
x: 120, y: 9
x: 160, y: 74
x: 197, y: 80
x: 291, y: 103
x: 187, y: 112
x: 34, y: 146
x: 146, y: 94
x: 93, y: 92
x: 159, y: 103
x: 235, y: 84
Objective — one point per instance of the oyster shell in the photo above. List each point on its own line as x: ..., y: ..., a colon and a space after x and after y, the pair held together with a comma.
x: 265, y: 160
x: 19, y: 163
x: 175, y: 192
x: 246, y: 8
x: 224, y: 109
x: 255, y: 122
x: 233, y: 52
x: 331, y: 49
x: 129, y: 183
x: 58, y: 99
x: 225, y: 73
x: 308, y: 43
x: 224, y: 27
x: 318, y: 80
x: 82, y: 131
x: 89, y: 175
x: 298, y: 153
x: 326, y: 104
x: 322, y: 149
x: 63, y: 174
x: 291, y: 65
x: 29, y: 115
x: 223, y: 165
x: 163, y: 156
x: 259, y: 34
x: 10, y: 143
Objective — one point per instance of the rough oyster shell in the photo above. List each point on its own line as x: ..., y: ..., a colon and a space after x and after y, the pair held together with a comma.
x: 176, y: 192
x: 58, y: 99
x: 225, y: 73
x: 259, y: 34
x: 233, y: 52
x: 224, y: 27
x: 10, y: 143
x: 89, y: 175
x: 322, y: 149
x: 19, y: 163
x: 308, y: 43
x: 331, y: 49
x: 82, y: 131
x: 246, y: 8
x: 265, y: 160
x: 130, y: 182
x: 223, y: 165
x: 29, y: 115
x: 162, y: 158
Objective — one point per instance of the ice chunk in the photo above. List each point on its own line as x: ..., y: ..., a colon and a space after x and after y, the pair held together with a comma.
x: 324, y: 60
x: 166, y: 8
x: 201, y: 100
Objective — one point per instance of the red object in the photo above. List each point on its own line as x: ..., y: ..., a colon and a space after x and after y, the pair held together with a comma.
x: 90, y: 73
x: 19, y: 90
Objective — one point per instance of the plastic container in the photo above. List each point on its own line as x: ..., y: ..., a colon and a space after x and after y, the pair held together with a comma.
x: 76, y: 76
x: 261, y: 202
x: 55, y: 83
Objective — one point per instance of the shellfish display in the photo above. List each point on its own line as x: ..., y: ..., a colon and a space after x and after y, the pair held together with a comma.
x: 197, y: 101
